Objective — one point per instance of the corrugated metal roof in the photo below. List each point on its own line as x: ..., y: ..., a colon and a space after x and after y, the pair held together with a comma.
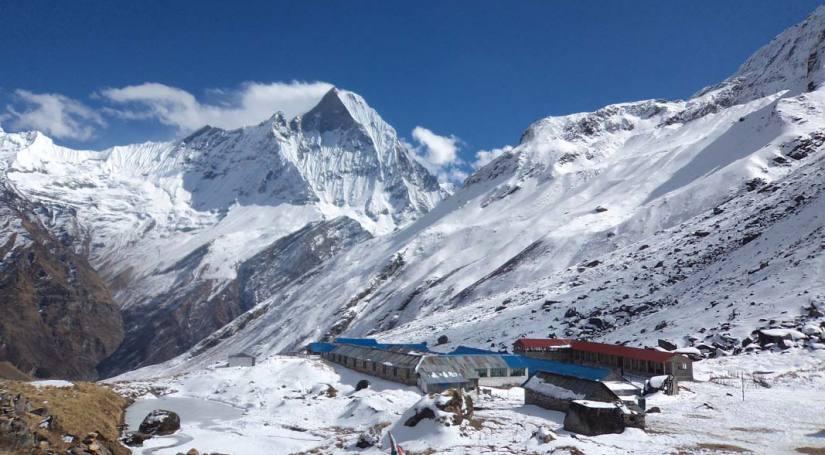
x: 393, y: 358
x: 577, y: 385
x: 241, y: 354
x: 357, y: 341
x: 321, y: 347
x: 466, y: 365
x: 450, y: 376
x: 416, y: 347
x: 373, y: 343
x: 466, y: 350
x: 598, y: 348
x: 541, y: 343
x: 567, y: 369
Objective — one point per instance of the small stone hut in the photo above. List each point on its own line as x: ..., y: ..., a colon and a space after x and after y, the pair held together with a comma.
x: 556, y: 391
x: 241, y: 359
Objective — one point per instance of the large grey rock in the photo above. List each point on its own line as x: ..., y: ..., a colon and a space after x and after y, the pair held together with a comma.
x: 160, y: 422
x: 592, y: 420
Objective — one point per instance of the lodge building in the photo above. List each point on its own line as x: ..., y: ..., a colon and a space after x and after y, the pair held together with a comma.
x: 623, y: 360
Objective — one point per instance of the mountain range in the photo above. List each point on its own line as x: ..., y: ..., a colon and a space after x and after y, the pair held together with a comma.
x: 696, y: 221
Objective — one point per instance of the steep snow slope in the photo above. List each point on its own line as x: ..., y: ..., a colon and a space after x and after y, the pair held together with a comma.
x: 169, y: 224
x: 578, y: 217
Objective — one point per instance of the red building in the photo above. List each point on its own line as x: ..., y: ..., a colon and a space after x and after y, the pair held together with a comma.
x: 622, y: 359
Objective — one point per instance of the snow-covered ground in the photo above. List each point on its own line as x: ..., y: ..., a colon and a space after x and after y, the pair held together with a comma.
x: 292, y: 404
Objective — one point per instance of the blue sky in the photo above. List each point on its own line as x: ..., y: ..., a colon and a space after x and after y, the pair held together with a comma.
x: 477, y: 73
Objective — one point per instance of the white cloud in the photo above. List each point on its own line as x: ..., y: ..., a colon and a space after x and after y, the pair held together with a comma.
x: 484, y: 157
x: 56, y: 115
x: 440, y: 150
x: 439, y: 154
x: 249, y: 104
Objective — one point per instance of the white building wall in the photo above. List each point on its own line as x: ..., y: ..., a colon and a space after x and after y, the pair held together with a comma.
x: 504, y: 381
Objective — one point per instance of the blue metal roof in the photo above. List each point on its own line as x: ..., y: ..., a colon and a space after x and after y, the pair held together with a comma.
x: 321, y: 347
x: 467, y: 350
x: 372, y: 343
x: 357, y: 341
x: 420, y: 347
x: 513, y: 361
x: 567, y: 369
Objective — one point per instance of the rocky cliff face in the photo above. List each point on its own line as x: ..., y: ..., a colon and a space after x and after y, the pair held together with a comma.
x: 59, y: 319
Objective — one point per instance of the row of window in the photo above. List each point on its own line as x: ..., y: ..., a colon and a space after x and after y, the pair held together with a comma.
x: 369, y: 365
x: 630, y: 364
x: 385, y: 369
x: 500, y: 372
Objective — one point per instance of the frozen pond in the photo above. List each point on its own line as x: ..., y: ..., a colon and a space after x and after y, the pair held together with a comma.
x: 192, y: 411
x: 197, y: 416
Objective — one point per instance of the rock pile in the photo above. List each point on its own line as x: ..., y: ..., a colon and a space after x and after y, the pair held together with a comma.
x: 805, y: 331
x: 32, y: 430
x: 449, y: 408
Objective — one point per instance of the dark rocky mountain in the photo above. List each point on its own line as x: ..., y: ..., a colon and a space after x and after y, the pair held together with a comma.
x: 58, y: 317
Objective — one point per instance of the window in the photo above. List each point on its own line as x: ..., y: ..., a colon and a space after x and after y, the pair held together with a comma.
x: 384, y: 369
x: 482, y: 372
x: 374, y: 366
x: 683, y: 366
x: 517, y: 372
x: 395, y: 371
x: 498, y: 372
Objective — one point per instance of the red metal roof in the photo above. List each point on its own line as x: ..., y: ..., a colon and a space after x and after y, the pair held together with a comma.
x: 599, y: 348
x: 540, y: 343
x: 622, y: 351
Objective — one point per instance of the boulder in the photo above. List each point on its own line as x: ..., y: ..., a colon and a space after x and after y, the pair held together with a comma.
x: 593, y: 418
x: 160, y: 422
x: 571, y: 313
x: 667, y: 345
x: 369, y: 438
x: 442, y: 340
x: 544, y: 435
x: 362, y: 384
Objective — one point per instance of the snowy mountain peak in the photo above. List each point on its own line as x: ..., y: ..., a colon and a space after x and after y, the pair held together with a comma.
x: 330, y: 114
x: 169, y: 224
x: 792, y: 61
